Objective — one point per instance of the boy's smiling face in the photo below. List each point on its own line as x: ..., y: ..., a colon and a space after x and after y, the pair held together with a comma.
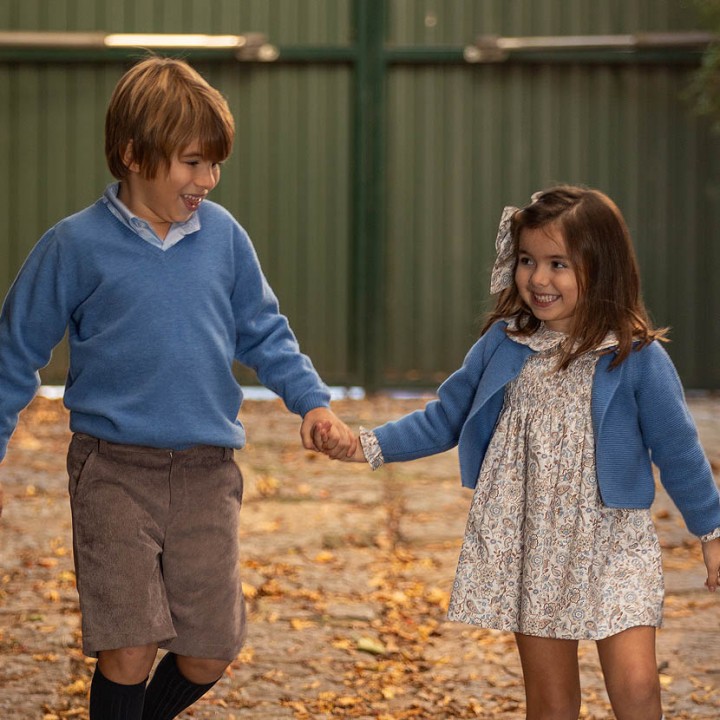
x: 172, y: 196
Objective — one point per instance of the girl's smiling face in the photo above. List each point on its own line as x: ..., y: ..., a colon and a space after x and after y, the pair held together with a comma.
x: 175, y: 193
x: 545, y: 277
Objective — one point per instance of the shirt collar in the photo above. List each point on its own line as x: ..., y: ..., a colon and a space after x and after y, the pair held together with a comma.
x: 141, y: 227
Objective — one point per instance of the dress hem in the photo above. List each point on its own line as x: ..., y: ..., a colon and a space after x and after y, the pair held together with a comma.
x: 506, y: 628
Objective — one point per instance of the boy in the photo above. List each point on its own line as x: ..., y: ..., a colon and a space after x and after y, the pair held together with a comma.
x: 160, y: 289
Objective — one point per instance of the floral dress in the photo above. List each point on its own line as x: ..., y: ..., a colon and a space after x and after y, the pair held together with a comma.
x: 541, y: 554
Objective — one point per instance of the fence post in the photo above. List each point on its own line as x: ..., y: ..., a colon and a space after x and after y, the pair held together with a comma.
x: 369, y: 190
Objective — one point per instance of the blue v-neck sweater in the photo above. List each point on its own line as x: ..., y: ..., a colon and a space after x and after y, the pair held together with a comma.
x: 152, y: 334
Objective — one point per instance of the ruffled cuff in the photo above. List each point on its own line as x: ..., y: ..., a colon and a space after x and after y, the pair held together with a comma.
x: 714, y: 535
x: 371, y: 448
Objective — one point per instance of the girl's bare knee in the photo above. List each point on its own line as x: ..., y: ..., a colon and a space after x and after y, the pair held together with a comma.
x: 201, y: 671
x: 554, y: 707
x: 129, y: 665
x: 638, y: 692
x: 645, y: 686
x: 552, y: 679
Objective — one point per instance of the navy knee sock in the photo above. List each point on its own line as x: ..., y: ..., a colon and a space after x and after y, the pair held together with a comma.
x: 169, y: 692
x: 111, y: 701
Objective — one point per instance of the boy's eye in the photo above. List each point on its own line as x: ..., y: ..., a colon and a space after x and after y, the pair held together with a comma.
x: 195, y: 163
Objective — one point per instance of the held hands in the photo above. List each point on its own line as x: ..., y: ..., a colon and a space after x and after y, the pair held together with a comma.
x: 711, y: 555
x: 322, y: 436
x: 324, y: 432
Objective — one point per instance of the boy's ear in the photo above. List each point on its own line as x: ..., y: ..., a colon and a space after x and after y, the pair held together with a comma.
x: 128, y: 158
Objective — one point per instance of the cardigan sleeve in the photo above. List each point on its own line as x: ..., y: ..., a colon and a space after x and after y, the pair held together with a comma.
x: 437, y: 427
x: 670, y: 434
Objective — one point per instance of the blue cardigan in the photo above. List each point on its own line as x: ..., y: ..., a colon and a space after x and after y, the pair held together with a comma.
x: 639, y: 416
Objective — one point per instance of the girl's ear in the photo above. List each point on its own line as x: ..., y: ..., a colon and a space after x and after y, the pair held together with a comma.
x: 129, y: 160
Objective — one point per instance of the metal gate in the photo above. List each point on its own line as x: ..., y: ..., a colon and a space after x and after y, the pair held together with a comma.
x: 378, y: 141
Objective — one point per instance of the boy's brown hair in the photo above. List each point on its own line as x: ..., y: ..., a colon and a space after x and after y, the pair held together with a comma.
x: 601, y: 251
x: 158, y: 108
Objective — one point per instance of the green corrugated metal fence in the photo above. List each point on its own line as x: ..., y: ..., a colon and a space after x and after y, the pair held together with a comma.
x: 372, y: 161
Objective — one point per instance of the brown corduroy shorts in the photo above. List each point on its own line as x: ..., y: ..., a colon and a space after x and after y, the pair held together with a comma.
x: 155, y: 537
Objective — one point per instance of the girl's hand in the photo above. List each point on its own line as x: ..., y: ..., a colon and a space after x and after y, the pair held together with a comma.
x: 324, y: 432
x: 358, y: 455
x: 321, y: 436
x: 711, y: 555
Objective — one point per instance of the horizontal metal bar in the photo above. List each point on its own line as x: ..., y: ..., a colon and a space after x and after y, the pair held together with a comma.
x: 674, y: 48
x: 249, y: 46
x: 395, y: 56
x: 491, y: 48
x: 321, y: 55
x: 73, y: 40
x: 318, y: 54
x: 430, y: 55
x: 596, y: 42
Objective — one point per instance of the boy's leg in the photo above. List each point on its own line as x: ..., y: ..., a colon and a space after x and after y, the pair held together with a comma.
x: 117, y: 691
x: 552, y: 677
x: 177, y: 683
x: 201, y: 670
x: 630, y: 670
x: 118, y: 501
x: 202, y: 580
x: 127, y: 666
x: 201, y: 559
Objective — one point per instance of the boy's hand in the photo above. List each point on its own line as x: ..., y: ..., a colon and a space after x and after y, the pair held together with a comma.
x: 321, y: 433
x: 711, y: 555
x: 324, y: 432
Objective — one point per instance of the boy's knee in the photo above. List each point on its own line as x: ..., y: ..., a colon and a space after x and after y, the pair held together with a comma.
x: 201, y: 671
x: 127, y: 666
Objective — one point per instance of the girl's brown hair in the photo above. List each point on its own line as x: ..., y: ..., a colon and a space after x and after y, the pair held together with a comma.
x: 601, y: 251
x: 158, y: 108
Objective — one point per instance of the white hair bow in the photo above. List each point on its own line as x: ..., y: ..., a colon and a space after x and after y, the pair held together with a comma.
x: 504, y: 267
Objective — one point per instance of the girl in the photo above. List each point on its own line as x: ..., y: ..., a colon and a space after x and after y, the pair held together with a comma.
x: 558, y: 410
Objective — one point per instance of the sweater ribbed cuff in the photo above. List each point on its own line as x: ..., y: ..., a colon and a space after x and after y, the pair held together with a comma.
x: 714, y: 535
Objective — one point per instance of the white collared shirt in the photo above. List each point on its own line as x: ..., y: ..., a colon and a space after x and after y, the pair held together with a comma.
x: 141, y: 227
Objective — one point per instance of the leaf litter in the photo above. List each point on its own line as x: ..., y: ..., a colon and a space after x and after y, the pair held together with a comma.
x: 346, y: 575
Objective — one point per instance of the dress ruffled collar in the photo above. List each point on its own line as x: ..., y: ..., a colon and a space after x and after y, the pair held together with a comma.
x: 545, y: 340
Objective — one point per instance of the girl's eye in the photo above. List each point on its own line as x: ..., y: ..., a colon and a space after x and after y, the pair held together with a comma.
x: 523, y: 260
x: 560, y: 265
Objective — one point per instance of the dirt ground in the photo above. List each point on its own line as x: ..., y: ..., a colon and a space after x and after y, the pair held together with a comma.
x: 347, y: 575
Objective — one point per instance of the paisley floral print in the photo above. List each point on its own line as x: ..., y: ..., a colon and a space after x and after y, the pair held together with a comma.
x: 542, y: 555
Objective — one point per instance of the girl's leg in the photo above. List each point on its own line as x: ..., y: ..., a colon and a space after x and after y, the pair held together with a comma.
x: 631, y: 677
x: 552, y: 678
